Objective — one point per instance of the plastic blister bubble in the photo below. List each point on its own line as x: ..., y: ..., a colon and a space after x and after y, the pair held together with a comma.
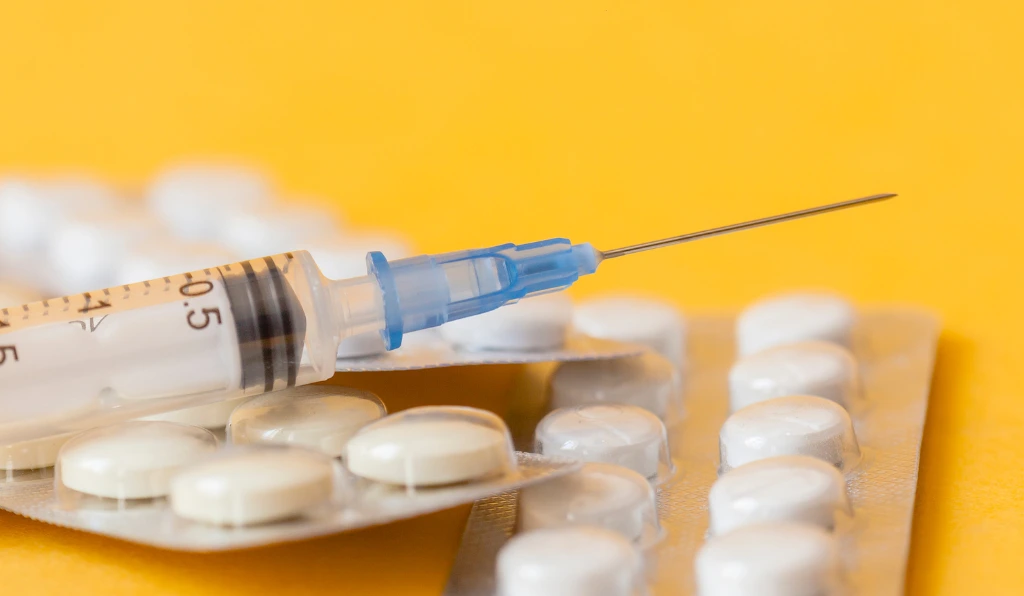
x: 603, y: 495
x: 795, y: 317
x: 648, y: 380
x: 252, y: 485
x: 30, y: 460
x: 569, y: 561
x: 322, y: 418
x: 787, y: 488
x: 650, y: 322
x: 131, y: 461
x: 432, y: 446
x: 805, y: 368
x: 769, y: 560
x: 623, y: 435
x: 792, y: 425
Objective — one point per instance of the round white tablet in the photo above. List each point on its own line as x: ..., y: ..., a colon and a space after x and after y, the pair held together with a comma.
x: 322, y: 418
x: 31, y: 455
x: 533, y: 324
x: 213, y: 415
x: 194, y: 199
x: 650, y: 322
x: 86, y: 252
x: 787, y: 488
x: 623, y: 435
x: 570, y: 561
x: 431, y: 445
x: 611, y: 497
x: 792, y: 318
x: 252, y: 486
x: 163, y: 257
x: 648, y: 381
x: 793, y: 425
x: 804, y: 368
x: 132, y: 460
x: 768, y: 560
x: 272, y: 230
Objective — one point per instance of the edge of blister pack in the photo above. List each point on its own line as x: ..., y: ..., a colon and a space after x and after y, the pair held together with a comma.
x: 154, y: 524
x: 896, y: 349
x: 426, y: 349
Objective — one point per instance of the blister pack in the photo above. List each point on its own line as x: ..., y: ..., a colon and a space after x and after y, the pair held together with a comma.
x: 297, y: 463
x: 791, y: 471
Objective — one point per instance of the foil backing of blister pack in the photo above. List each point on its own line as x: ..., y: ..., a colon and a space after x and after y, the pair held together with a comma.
x: 896, y: 350
x: 426, y: 349
x: 153, y: 523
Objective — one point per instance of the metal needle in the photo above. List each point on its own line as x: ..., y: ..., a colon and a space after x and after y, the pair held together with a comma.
x: 747, y: 225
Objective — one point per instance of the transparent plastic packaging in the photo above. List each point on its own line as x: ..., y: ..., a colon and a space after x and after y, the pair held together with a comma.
x: 895, y: 353
x: 30, y: 459
x: 253, y: 486
x: 432, y: 446
x: 787, y: 488
x: 791, y: 318
x: 648, y: 380
x: 320, y: 418
x: 650, y: 322
x: 623, y: 435
x: 569, y: 561
x: 805, y: 368
x: 769, y: 560
x: 127, y: 462
x: 172, y: 486
x: 602, y: 495
x: 792, y: 425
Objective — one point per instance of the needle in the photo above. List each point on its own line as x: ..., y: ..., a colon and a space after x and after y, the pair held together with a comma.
x: 747, y: 225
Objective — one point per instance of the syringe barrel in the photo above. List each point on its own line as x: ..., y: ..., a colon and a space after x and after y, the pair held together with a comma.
x: 239, y: 329
x: 430, y: 290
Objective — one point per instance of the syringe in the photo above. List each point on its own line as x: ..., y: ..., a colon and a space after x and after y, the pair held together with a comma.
x: 261, y: 325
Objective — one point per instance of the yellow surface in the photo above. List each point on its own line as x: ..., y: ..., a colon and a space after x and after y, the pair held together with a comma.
x: 471, y: 123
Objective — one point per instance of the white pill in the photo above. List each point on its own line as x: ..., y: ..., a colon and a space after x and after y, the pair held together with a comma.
x: 322, y: 418
x: 164, y: 257
x: 133, y: 460
x: 804, y: 368
x: 768, y: 560
x: 31, y: 455
x: 649, y: 381
x: 603, y: 495
x: 272, y: 230
x: 431, y: 445
x: 646, y: 321
x: 193, y: 200
x: 87, y: 252
x: 213, y: 415
x: 31, y: 211
x: 792, y: 318
x: 570, y: 561
x: 533, y: 324
x: 252, y: 486
x: 623, y: 435
x: 793, y: 425
x: 788, y: 488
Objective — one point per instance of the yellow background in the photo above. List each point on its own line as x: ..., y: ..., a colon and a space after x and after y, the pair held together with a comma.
x: 472, y: 123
